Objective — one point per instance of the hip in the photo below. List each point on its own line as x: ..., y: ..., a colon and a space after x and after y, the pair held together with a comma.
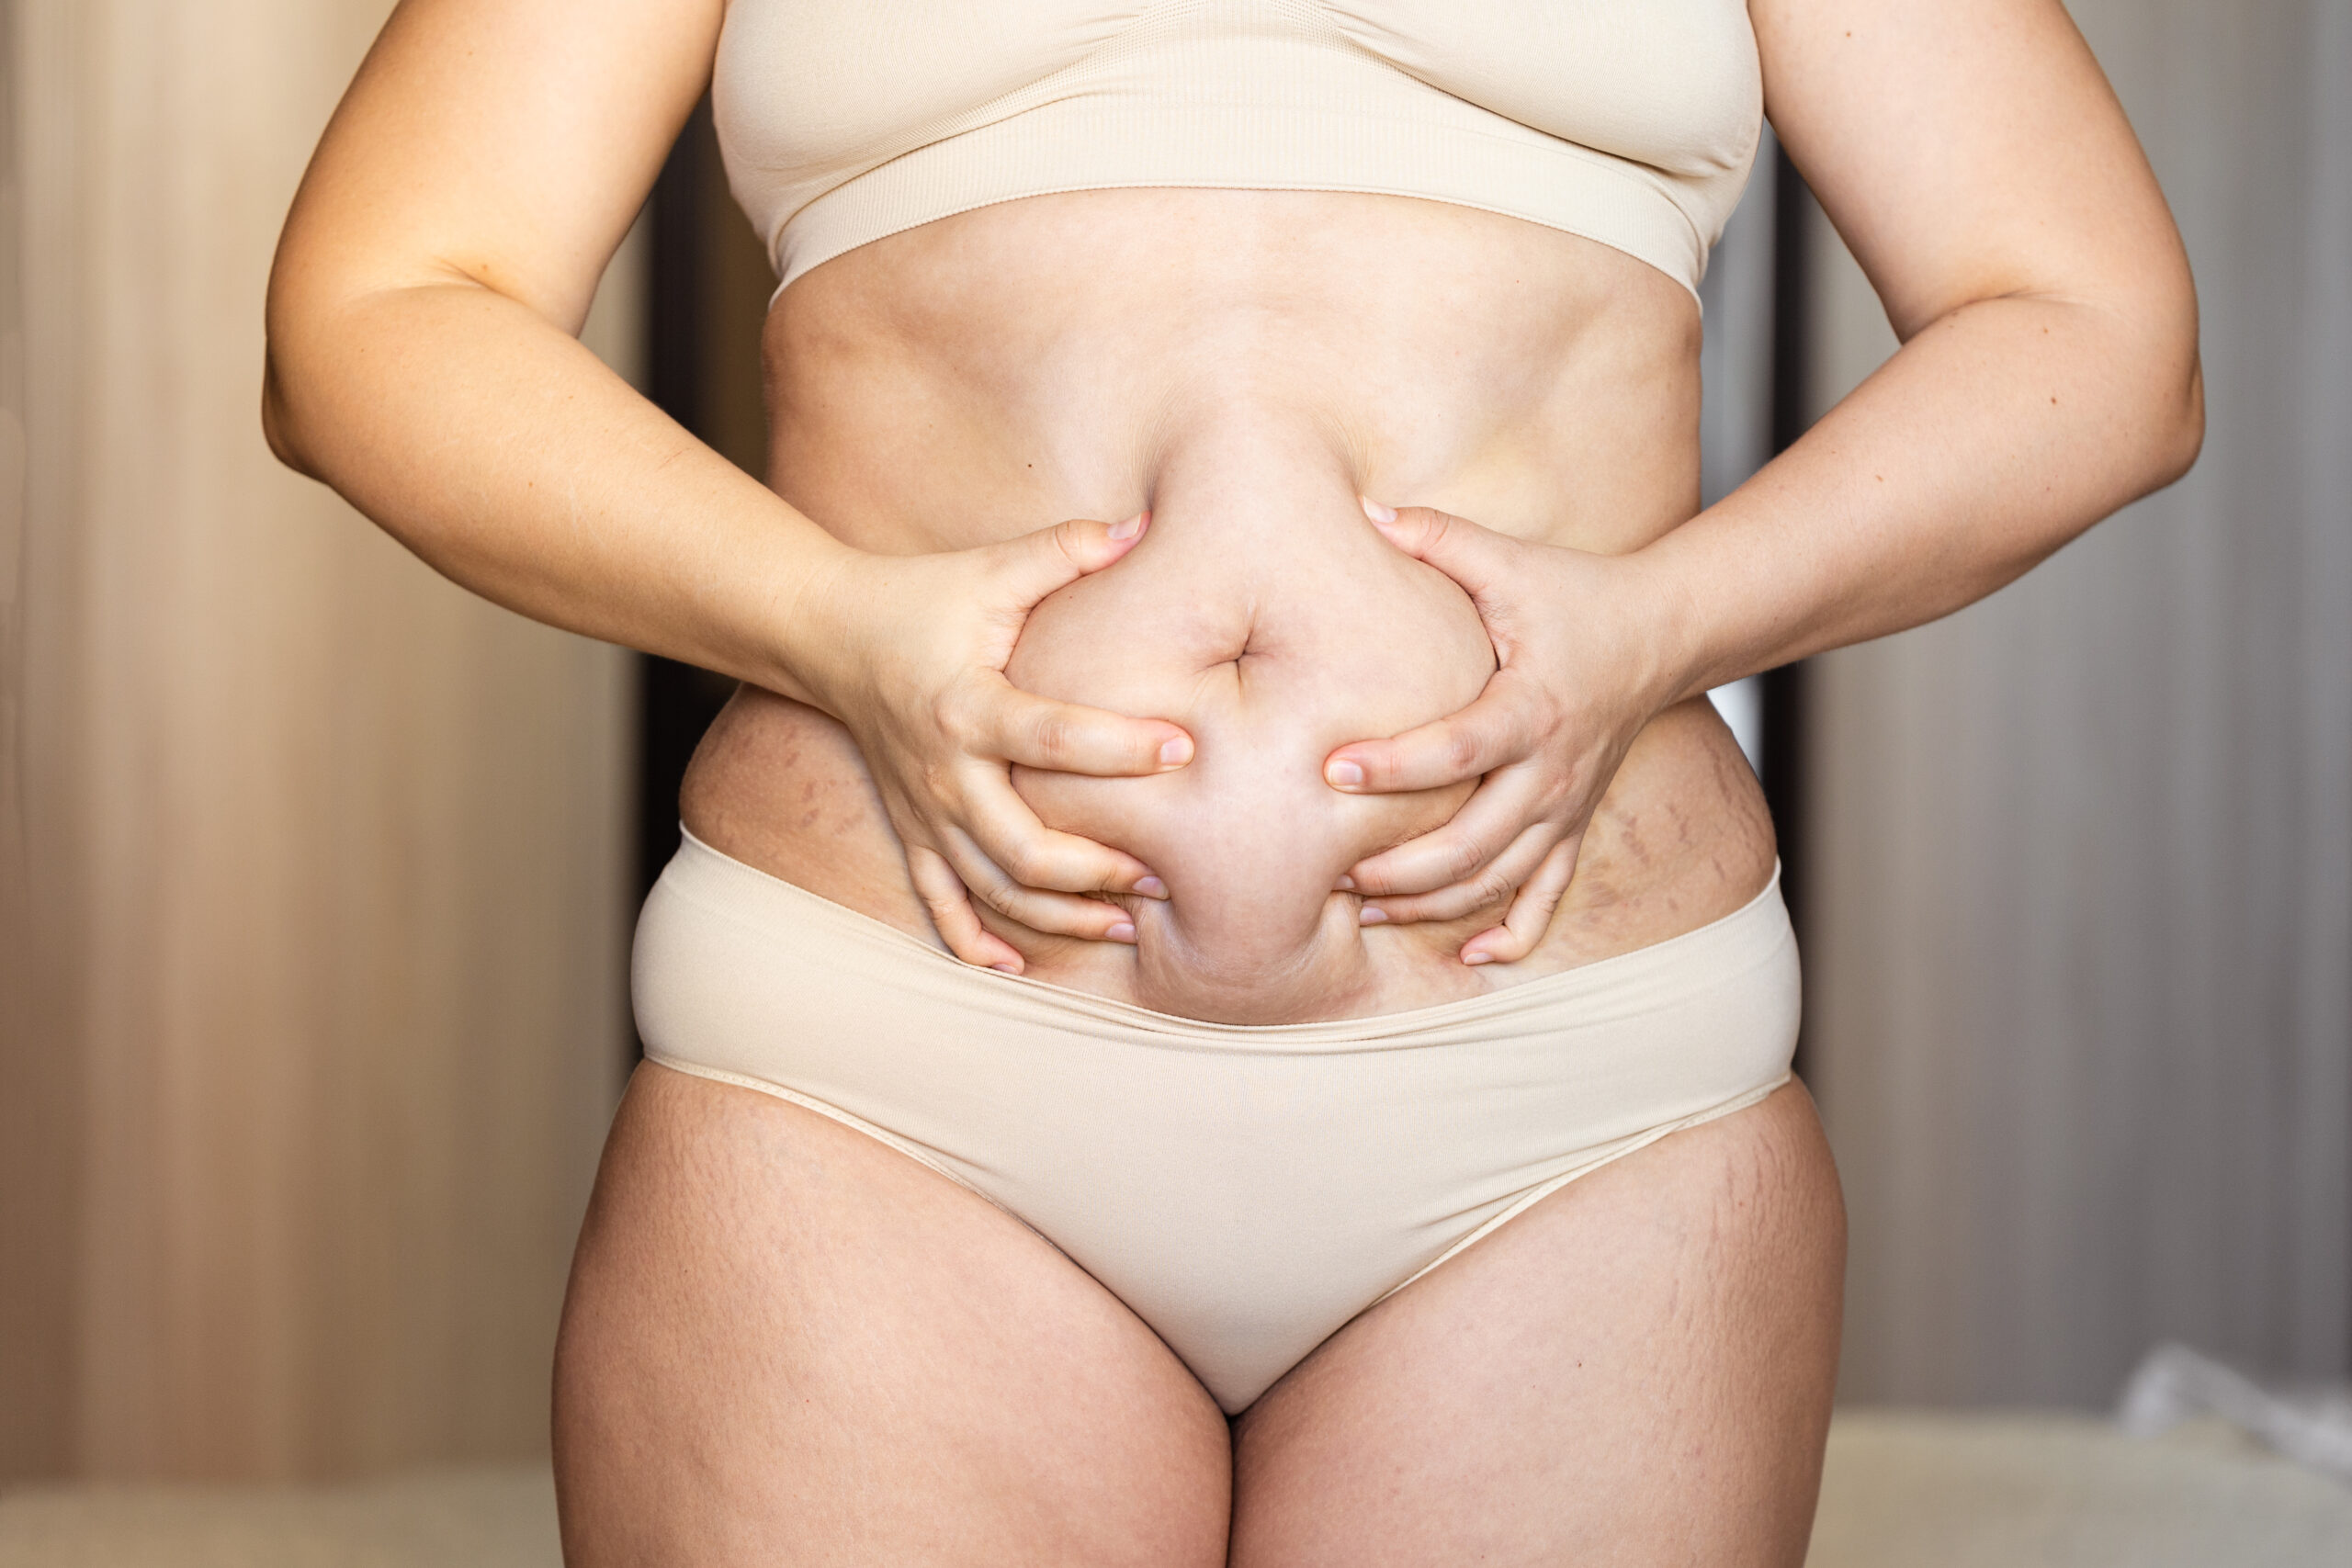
x: 1681, y: 839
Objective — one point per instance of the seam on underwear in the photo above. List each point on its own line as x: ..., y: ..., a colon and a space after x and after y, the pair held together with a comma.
x: 1544, y: 1189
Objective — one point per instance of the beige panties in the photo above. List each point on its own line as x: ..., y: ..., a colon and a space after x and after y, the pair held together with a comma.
x: 1245, y: 1188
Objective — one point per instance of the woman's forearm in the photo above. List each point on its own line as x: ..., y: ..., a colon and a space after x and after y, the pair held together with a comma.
x: 515, y: 463
x: 2003, y: 429
x: 1976, y: 161
x: 445, y: 246
x: 477, y: 430
x: 1997, y: 434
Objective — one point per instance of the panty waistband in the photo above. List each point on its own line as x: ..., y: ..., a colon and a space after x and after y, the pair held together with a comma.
x: 1607, y: 990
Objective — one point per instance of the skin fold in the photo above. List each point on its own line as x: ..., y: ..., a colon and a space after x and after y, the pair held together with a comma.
x: 1260, y: 610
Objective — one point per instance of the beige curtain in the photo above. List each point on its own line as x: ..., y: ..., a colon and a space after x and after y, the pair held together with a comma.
x: 315, y: 872
x: 2080, y: 980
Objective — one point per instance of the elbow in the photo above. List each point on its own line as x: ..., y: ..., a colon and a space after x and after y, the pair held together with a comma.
x: 280, y: 380
x: 2166, y: 401
x: 295, y: 373
x: 276, y: 419
x: 2180, y: 434
x: 2174, y: 381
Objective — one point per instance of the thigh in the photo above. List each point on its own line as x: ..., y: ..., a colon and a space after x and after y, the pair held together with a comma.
x: 786, y: 1343
x: 1637, y: 1371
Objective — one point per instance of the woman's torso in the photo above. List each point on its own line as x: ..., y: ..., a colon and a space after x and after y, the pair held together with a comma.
x: 1244, y: 364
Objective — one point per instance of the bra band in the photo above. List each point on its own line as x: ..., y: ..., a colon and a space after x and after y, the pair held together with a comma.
x: 1272, y: 95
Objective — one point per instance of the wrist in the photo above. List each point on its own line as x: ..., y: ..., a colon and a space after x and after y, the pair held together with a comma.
x: 804, y: 622
x: 1670, y: 654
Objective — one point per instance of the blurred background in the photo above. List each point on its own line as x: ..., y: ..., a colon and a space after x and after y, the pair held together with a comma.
x: 316, y: 875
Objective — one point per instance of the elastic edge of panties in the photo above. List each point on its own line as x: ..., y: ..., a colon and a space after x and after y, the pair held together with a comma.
x: 914, y: 1152
x: 1519, y: 1206
x: 1543, y: 1190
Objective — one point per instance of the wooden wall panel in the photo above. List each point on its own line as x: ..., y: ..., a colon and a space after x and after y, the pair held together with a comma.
x: 327, y: 857
x: 2080, y: 975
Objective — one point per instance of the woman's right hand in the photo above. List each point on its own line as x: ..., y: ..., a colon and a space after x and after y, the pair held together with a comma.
x: 908, y: 653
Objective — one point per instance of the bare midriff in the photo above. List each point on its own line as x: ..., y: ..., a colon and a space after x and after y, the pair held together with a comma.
x: 1244, y: 365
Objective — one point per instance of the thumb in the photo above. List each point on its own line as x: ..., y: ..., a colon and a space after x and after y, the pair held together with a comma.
x: 1036, y: 564
x: 1478, y: 559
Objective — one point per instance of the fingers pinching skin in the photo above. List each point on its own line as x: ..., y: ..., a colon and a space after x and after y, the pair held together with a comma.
x: 1009, y: 837
x: 1062, y: 913
x: 1488, y: 826
x: 1478, y: 559
x: 952, y: 882
x: 1530, y: 912
x: 1486, y: 883
x: 1574, y: 683
x: 921, y: 685
x: 946, y: 899
x: 1036, y: 564
x: 1496, y: 728
x: 1066, y: 737
x: 1038, y: 732
x: 1492, y: 730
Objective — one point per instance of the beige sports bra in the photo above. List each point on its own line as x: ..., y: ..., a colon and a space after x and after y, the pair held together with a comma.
x: 1631, y: 122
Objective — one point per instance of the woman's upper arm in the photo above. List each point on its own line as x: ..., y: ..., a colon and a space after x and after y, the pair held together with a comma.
x: 1970, y: 150
x: 505, y: 143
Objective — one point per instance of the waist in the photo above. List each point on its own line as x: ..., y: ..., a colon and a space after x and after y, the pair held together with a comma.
x: 1246, y: 382
x: 1681, y: 838
x: 830, y: 945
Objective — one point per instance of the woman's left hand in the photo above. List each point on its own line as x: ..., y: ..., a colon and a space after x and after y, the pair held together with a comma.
x: 1579, y: 643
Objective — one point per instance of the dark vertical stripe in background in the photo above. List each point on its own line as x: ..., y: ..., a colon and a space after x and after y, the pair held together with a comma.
x: 709, y: 281
x: 1784, y: 689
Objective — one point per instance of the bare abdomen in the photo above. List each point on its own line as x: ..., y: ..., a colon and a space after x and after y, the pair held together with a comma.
x: 1266, y: 616
x: 1242, y: 362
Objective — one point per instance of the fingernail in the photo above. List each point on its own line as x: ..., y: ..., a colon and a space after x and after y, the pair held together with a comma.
x: 1481, y: 956
x: 1130, y: 528
x: 1151, y: 887
x: 1006, y: 968
x: 1344, y: 774
x: 1372, y: 915
x: 1175, y: 753
x: 1345, y: 885
x: 1376, y: 512
x: 1122, y: 930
